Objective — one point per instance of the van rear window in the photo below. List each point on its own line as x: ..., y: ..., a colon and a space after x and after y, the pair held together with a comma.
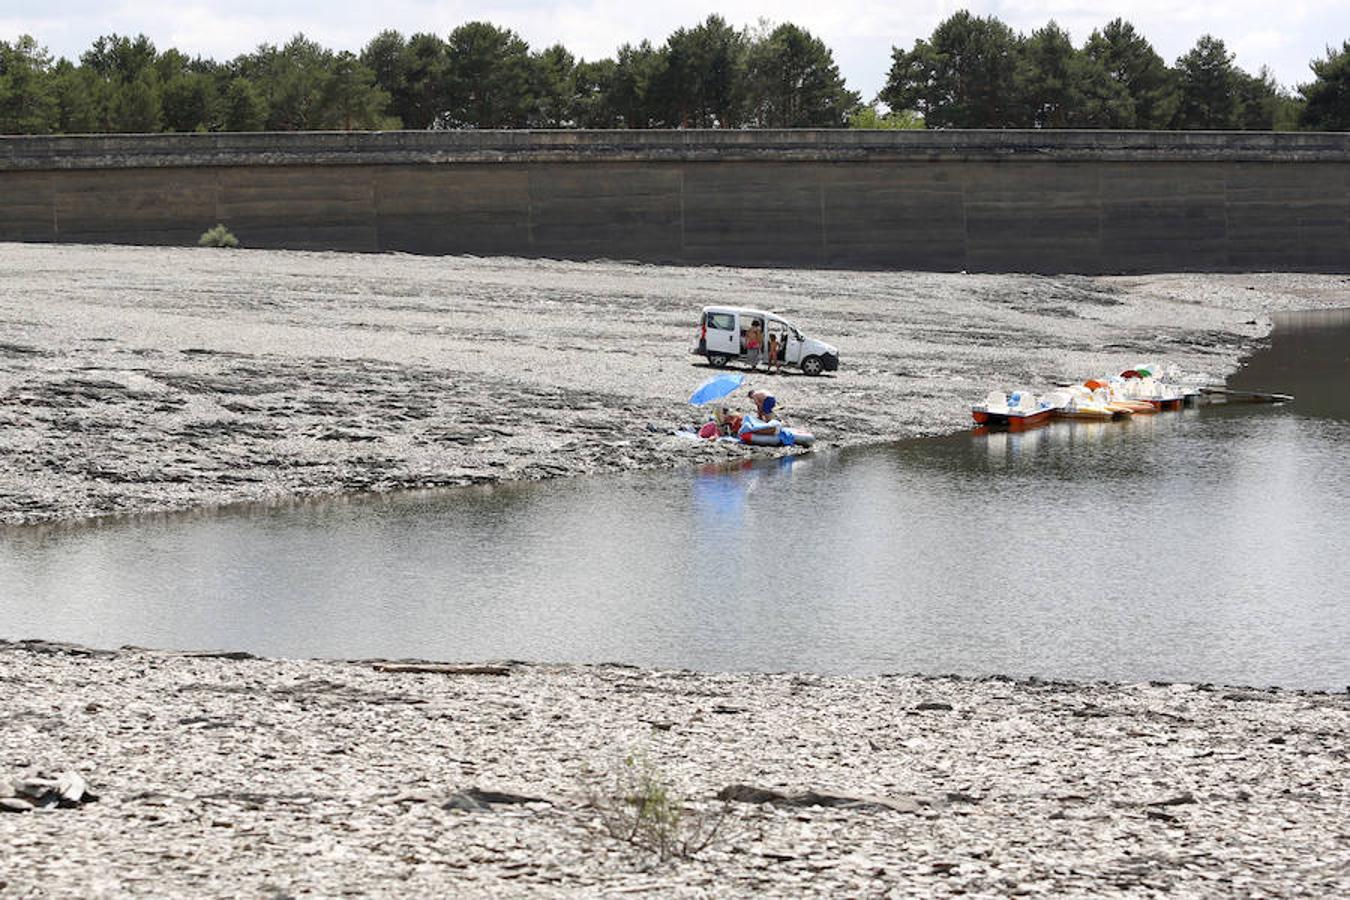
x: 721, y: 321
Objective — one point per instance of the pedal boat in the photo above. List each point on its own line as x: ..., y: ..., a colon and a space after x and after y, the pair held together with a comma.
x: 1080, y: 402
x: 1016, y: 413
x: 1157, y: 390
x: 1117, y: 399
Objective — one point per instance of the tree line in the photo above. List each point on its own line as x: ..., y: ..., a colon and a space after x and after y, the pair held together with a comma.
x: 976, y: 72
x: 971, y: 72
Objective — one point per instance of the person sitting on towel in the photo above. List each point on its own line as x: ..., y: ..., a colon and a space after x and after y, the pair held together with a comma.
x: 729, y: 422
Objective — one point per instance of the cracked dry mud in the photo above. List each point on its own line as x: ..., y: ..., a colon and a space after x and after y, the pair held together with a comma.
x: 256, y: 777
x: 151, y: 379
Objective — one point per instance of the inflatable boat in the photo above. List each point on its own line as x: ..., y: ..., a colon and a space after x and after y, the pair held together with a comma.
x: 760, y: 433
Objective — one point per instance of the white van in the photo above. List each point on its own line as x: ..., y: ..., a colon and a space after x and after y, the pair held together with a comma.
x: 721, y: 338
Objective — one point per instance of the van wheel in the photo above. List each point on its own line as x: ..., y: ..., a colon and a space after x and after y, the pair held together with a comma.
x: 718, y: 360
x: 812, y: 366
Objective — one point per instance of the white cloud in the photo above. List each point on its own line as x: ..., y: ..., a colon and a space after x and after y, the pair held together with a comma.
x: 861, y: 32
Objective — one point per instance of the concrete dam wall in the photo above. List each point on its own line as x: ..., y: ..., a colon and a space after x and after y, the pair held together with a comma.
x: 1034, y: 201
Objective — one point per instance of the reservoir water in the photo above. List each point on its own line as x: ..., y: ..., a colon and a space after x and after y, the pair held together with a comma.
x: 1206, y: 545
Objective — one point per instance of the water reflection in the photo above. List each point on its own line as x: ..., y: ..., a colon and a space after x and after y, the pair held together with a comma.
x: 723, y: 499
x: 1309, y: 357
x: 1203, y: 545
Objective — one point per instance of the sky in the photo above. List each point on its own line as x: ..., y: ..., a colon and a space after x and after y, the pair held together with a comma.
x: 861, y: 33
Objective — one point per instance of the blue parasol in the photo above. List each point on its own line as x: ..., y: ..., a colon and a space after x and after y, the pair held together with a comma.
x: 715, y: 388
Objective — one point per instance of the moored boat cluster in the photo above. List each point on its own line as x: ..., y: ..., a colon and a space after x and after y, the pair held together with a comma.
x: 1141, y: 390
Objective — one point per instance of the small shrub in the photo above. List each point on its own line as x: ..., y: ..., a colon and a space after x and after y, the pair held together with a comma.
x: 646, y: 813
x: 218, y: 236
x: 897, y: 120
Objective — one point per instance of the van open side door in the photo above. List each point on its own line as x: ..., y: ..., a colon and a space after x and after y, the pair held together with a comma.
x: 793, y: 356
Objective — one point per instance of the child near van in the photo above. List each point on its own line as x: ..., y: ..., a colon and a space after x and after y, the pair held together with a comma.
x: 773, y: 351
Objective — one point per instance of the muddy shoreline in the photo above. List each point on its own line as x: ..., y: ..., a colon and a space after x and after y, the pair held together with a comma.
x: 138, y: 379
x: 224, y: 776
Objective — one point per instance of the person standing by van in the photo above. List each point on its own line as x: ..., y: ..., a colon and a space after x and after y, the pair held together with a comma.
x: 754, y: 339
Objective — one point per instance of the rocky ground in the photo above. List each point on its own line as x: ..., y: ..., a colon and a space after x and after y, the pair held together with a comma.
x: 253, y: 777
x: 139, y: 379
x: 146, y: 379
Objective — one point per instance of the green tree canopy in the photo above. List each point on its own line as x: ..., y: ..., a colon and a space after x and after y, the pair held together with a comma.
x: 386, y: 58
x: 349, y: 97
x: 243, y: 107
x: 28, y: 91
x: 593, y: 106
x: 971, y: 72
x: 80, y: 99
x: 1327, y: 97
x: 488, y: 78
x: 119, y: 58
x: 793, y: 82
x: 190, y: 92
x: 136, y: 106
x: 1059, y: 86
x: 961, y: 77
x: 422, y: 102
x: 1129, y: 60
x: 1103, y: 101
x: 413, y: 73
x: 553, y: 84
x: 1210, y: 87
x: 1261, y: 101
x: 124, y: 90
x: 1047, y: 79
x: 293, y: 79
x: 634, y: 92
x: 702, y: 85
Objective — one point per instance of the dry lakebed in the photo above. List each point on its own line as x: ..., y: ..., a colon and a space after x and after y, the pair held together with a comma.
x: 152, y: 380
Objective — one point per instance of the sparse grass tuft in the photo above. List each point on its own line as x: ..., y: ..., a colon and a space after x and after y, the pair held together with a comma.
x: 645, y: 812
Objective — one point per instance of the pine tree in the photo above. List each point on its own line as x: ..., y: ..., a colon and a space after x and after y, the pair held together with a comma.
x: 28, y: 94
x: 793, y: 82
x: 961, y: 77
x: 487, y: 78
x: 1130, y: 61
x: 1327, y: 98
x: 1210, y: 87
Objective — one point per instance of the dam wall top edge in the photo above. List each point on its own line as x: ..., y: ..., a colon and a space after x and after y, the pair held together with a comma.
x: 768, y: 145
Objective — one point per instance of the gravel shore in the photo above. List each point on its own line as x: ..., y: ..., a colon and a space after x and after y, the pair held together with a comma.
x: 151, y: 379
x: 252, y: 777
x: 136, y: 379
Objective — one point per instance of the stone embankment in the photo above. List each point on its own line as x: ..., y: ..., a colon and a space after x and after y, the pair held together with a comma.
x: 1036, y: 200
x: 222, y: 775
x: 144, y: 379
